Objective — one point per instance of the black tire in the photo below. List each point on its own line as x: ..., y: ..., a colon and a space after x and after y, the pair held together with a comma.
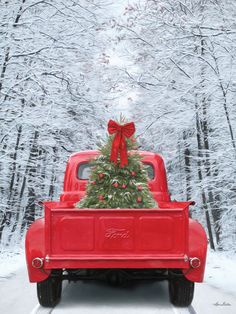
x: 49, y: 290
x: 181, y: 290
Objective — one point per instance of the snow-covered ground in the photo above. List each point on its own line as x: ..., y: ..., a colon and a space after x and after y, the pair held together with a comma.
x: 221, y: 271
x: 17, y: 295
x: 216, y: 295
x: 10, y: 262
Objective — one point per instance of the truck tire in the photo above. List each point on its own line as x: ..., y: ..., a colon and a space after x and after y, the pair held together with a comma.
x: 49, y: 290
x: 181, y: 291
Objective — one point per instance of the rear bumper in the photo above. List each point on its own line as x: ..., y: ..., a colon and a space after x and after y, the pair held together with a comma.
x: 84, y: 261
x: 116, y: 262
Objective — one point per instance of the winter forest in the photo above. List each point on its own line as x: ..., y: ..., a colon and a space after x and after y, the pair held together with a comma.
x: 67, y: 67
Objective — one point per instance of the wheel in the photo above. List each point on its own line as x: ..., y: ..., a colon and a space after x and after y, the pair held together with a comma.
x: 181, y: 290
x: 49, y: 290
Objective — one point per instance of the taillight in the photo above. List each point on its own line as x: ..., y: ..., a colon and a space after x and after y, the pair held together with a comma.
x: 37, y: 262
x: 195, y: 262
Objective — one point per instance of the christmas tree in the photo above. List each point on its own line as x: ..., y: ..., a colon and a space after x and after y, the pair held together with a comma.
x: 118, y: 177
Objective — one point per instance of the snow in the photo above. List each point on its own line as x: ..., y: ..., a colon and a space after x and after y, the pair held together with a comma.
x: 10, y: 263
x: 221, y: 271
x: 18, y: 296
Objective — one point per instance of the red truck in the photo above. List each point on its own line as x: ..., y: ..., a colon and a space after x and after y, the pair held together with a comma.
x: 117, y: 245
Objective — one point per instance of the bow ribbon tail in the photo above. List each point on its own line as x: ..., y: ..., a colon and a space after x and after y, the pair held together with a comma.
x: 115, y: 148
x: 123, y: 152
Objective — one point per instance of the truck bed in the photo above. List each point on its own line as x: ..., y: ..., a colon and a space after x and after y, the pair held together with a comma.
x: 116, y: 238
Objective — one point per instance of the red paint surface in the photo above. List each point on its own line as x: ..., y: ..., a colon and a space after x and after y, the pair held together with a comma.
x: 35, y: 247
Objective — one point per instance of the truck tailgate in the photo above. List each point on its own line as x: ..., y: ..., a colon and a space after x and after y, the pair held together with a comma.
x: 94, y: 238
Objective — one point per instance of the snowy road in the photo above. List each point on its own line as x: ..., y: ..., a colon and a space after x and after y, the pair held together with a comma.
x: 19, y: 297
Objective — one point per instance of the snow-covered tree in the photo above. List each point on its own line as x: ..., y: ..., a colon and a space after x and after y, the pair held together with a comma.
x: 185, y: 70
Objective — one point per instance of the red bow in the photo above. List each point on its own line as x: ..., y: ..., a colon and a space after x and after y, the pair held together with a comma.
x: 119, y: 143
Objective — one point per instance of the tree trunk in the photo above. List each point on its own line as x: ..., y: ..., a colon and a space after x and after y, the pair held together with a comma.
x: 229, y: 122
x: 31, y: 163
x: 53, y: 174
x: 4, y: 67
x: 215, y: 211
x: 187, y: 167
x: 200, y: 177
x: 29, y: 212
x: 13, y: 170
x: 7, y: 54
